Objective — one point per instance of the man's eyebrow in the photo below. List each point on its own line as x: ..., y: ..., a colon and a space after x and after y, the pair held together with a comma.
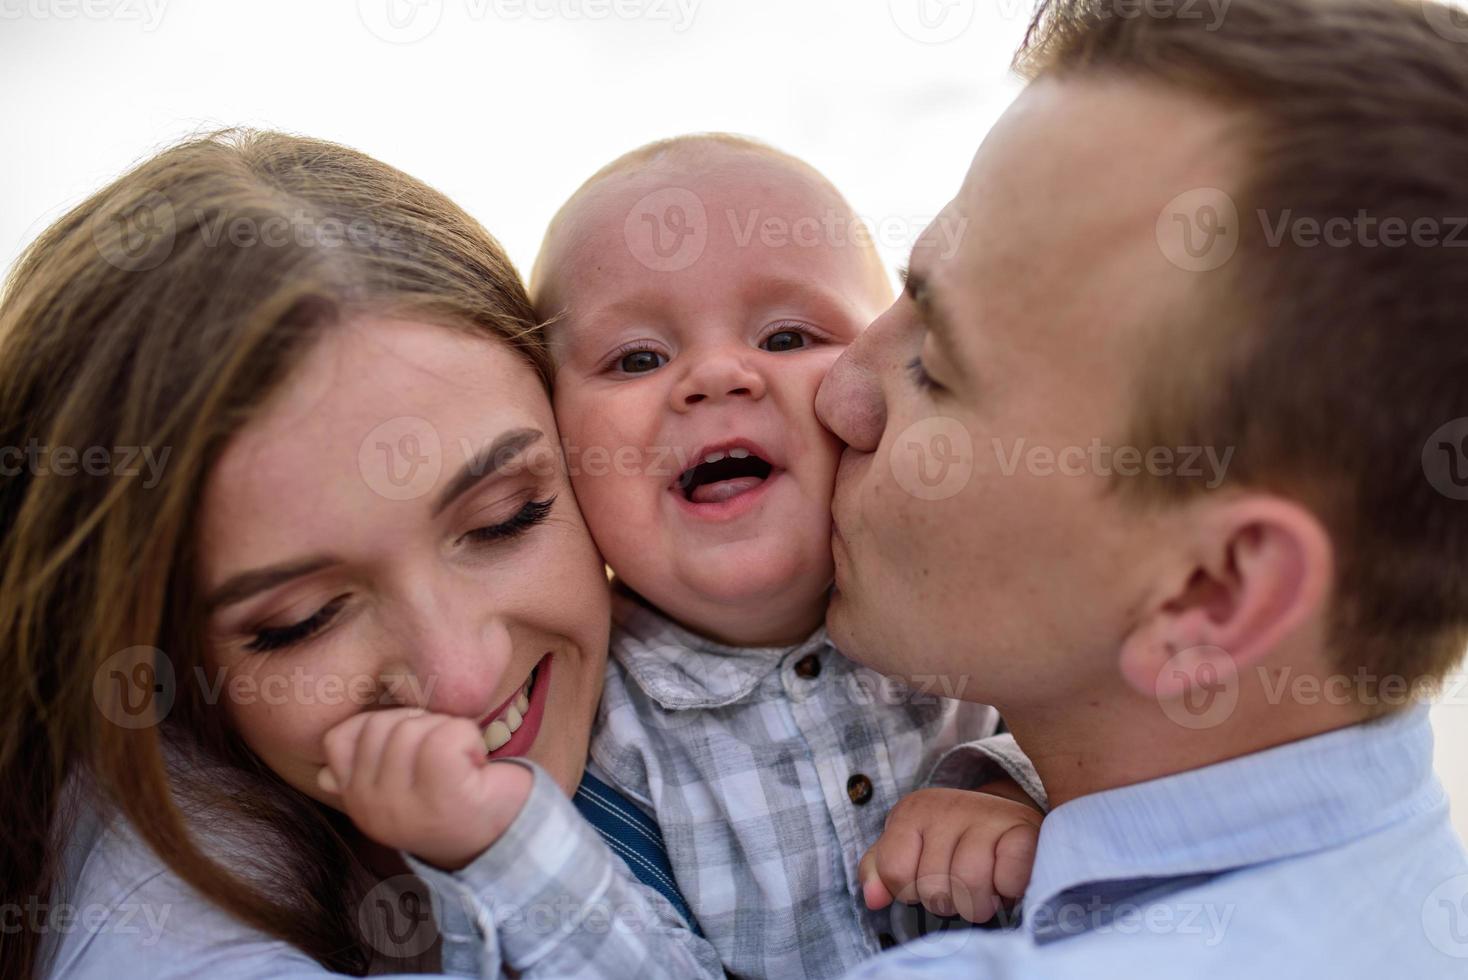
x: 246, y: 584
x: 485, y: 464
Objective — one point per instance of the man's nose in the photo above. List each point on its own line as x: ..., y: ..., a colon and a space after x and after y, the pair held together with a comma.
x: 717, y: 376
x: 850, y: 401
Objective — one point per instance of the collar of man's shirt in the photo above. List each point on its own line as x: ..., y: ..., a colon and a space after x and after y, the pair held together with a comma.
x: 1103, y: 855
x: 680, y: 670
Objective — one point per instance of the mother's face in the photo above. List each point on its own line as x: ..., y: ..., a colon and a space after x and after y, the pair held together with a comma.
x: 395, y: 526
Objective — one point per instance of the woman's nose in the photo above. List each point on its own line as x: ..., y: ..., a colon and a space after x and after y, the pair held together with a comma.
x: 453, y: 669
x: 718, y: 376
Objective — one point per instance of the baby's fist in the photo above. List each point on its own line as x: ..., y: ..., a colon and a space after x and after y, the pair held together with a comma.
x: 958, y: 852
x: 421, y: 783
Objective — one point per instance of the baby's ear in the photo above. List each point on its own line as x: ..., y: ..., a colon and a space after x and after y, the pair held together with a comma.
x: 1260, y: 568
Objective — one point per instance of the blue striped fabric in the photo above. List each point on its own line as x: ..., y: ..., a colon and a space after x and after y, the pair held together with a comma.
x: 634, y: 837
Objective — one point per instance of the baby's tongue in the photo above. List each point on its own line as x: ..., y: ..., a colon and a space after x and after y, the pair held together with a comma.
x: 715, y: 493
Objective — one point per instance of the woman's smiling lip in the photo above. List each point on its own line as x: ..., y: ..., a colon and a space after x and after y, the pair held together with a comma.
x: 524, y: 736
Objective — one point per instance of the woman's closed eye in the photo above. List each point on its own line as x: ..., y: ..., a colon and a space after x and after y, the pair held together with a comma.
x: 533, y: 512
x: 268, y: 638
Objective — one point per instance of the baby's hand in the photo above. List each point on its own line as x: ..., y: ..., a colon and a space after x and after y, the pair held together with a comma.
x: 959, y: 852
x: 420, y: 782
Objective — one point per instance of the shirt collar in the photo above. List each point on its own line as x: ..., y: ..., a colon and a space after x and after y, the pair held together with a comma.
x: 680, y: 669
x: 1303, y: 796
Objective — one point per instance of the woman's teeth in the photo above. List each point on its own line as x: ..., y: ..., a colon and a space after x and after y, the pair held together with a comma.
x: 499, y: 731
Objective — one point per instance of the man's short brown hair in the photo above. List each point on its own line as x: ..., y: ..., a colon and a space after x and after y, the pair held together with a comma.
x: 1328, y: 367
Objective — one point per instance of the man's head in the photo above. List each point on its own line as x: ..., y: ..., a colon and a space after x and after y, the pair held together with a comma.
x: 699, y: 290
x: 1170, y: 436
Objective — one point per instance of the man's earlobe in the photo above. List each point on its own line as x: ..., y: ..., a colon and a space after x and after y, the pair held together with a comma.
x: 1261, y: 567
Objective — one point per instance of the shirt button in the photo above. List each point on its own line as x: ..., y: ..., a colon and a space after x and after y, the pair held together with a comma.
x: 859, y: 788
x: 886, y: 940
x: 808, y: 667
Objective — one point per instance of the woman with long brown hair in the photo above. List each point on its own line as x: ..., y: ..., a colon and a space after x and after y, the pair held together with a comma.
x: 290, y: 562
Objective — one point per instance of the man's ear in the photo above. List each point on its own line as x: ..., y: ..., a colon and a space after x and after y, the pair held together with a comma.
x: 1258, y: 567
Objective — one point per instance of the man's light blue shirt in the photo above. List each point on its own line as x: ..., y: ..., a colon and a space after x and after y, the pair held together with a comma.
x: 1327, y: 857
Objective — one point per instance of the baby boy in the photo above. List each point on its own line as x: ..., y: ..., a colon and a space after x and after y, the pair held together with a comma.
x: 698, y: 290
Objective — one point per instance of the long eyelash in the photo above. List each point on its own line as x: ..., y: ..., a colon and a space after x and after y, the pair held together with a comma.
x: 278, y: 637
x: 920, y: 375
x: 534, y: 512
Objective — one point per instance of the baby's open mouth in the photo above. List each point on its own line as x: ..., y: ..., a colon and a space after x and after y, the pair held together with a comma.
x: 723, y: 476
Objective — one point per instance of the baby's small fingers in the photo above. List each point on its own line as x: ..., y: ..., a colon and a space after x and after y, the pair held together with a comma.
x: 873, y: 891
x: 447, y: 756
x: 326, y: 782
x: 935, y: 885
x: 973, y: 878
x: 897, y: 853
x: 1014, y: 857
x: 372, y: 743
x: 397, y: 770
x: 354, y: 748
x: 339, y: 745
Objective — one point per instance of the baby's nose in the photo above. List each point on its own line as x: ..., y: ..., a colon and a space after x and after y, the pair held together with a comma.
x: 718, y: 378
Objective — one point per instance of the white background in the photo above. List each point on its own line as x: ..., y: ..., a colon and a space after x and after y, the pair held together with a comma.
x: 507, y: 105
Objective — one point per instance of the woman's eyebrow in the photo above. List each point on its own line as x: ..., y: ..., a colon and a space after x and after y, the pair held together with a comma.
x: 485, y: 463
x: 246, y: 584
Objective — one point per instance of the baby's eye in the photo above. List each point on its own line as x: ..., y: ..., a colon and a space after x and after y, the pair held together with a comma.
x: 783, y: 340
x: 641, y: 361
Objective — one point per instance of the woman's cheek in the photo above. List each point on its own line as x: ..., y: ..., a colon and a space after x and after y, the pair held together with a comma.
x: 284, y: 710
